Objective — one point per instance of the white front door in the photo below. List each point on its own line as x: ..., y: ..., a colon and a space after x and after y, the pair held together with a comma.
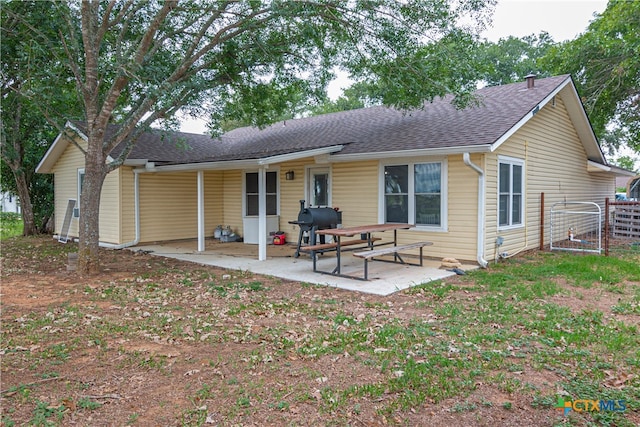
x: 319, y: 187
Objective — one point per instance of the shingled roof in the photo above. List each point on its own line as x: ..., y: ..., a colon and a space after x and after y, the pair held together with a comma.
x: 382, y: 129
x: 438, y: 125
x: 368, y: 130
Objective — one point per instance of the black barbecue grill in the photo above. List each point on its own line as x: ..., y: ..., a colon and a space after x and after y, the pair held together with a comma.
x: 312, y: 219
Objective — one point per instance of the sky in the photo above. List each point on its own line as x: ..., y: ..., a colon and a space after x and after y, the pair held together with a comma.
x: 562, y: 19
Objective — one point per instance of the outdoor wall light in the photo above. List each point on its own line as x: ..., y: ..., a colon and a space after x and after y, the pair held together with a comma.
x: 289, y: 176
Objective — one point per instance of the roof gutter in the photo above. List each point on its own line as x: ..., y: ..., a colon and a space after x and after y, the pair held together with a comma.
x: 597, y: 167
x: 240, y: 164
x: 481, y: 207
x: 410, y: 153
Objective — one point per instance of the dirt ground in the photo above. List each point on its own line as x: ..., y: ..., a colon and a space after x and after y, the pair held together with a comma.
x: 159, y: 342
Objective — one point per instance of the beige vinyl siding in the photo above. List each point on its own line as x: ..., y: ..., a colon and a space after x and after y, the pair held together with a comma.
x: 110, y: 208
x: 556, y: 164
x: 213, y: 201
x: 168, y: 206
x: 167, y: 199
x: 232, y: 207
x: 66, y: 184
x: 291, y: 192
x: 127, y: 206
x: 66, y: 187
x: 355, y: 192
x: 460, y: 240
x: 460, y: 237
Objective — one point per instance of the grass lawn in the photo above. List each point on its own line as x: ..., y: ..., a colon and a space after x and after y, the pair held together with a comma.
x: 153, y: 341
x: 10, y: 225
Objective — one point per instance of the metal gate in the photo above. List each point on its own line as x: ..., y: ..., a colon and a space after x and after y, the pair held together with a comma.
x: 576, y: 226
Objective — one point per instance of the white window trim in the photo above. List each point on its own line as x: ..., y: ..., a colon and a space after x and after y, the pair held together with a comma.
x: 518, y: 162
x: 307, y: 177
x: 244, y: 191
x: 80, y: 172
x: 444, y: 195
x: 76, y: 211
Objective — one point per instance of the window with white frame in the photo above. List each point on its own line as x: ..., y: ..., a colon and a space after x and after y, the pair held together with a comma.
x: 413, y: 193
x: 252, y: 193
x: 76, y: 211
x: 510, y: 192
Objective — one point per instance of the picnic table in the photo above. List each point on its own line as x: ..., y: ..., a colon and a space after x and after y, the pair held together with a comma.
x: 366, y: 241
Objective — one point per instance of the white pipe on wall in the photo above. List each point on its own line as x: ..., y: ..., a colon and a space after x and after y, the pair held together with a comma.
x: 481, y: 207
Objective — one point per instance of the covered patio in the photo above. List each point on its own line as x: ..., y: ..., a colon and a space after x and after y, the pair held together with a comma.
x: 384, y: 278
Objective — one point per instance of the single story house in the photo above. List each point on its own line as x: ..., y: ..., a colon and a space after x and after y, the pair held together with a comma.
x: 466, y: 178
x: 9, y: 202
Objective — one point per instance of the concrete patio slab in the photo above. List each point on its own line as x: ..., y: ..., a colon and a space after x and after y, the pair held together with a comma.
x: 384, y: 278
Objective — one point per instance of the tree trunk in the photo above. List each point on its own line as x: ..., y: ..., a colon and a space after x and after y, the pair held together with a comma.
x: 89, y: 224
x: 28, y: 222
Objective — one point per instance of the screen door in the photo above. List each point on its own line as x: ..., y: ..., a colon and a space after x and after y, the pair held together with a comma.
x: 318, y: 188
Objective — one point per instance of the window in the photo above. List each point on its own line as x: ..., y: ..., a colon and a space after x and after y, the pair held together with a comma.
x: 251, y: 193
x: 510, y: 188
x: 76, y: 210
x: 413, y: 194
x: 319, y: 187
x: 396, y: 193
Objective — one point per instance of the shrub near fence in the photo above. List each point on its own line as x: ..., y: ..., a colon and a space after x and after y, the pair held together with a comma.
x: 622, y: 222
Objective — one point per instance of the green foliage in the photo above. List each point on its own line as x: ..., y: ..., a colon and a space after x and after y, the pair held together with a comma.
x: 86, y: 403
x: 628, y: 163
x: 605, y: 64
x: 35, y: 104
x: 356, y: 96
x: 511, y: 59
x: 46, y: 415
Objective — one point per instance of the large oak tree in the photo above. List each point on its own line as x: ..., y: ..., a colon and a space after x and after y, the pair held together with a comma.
x: 138, y: 62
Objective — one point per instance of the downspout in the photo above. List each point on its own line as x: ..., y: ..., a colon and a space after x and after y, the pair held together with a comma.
x: 481, y: 202
x: 136, y: 204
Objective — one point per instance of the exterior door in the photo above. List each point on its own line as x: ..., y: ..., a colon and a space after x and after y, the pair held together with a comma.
x: 319, y: 187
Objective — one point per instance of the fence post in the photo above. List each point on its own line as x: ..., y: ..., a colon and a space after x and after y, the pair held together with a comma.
x: 542, y: 221
x: 606, y: 226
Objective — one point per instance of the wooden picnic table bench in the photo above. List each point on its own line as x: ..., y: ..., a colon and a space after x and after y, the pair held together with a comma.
x: 365, y: 232
x: 328, y: 247
x: 325, y: 247
x: 395, y: 250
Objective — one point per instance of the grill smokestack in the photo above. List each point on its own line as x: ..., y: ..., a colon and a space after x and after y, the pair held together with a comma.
x: 530, y: 80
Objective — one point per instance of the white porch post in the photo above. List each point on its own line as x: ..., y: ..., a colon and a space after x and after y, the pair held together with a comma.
x: 200, y: 211
x: 262, y: 214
